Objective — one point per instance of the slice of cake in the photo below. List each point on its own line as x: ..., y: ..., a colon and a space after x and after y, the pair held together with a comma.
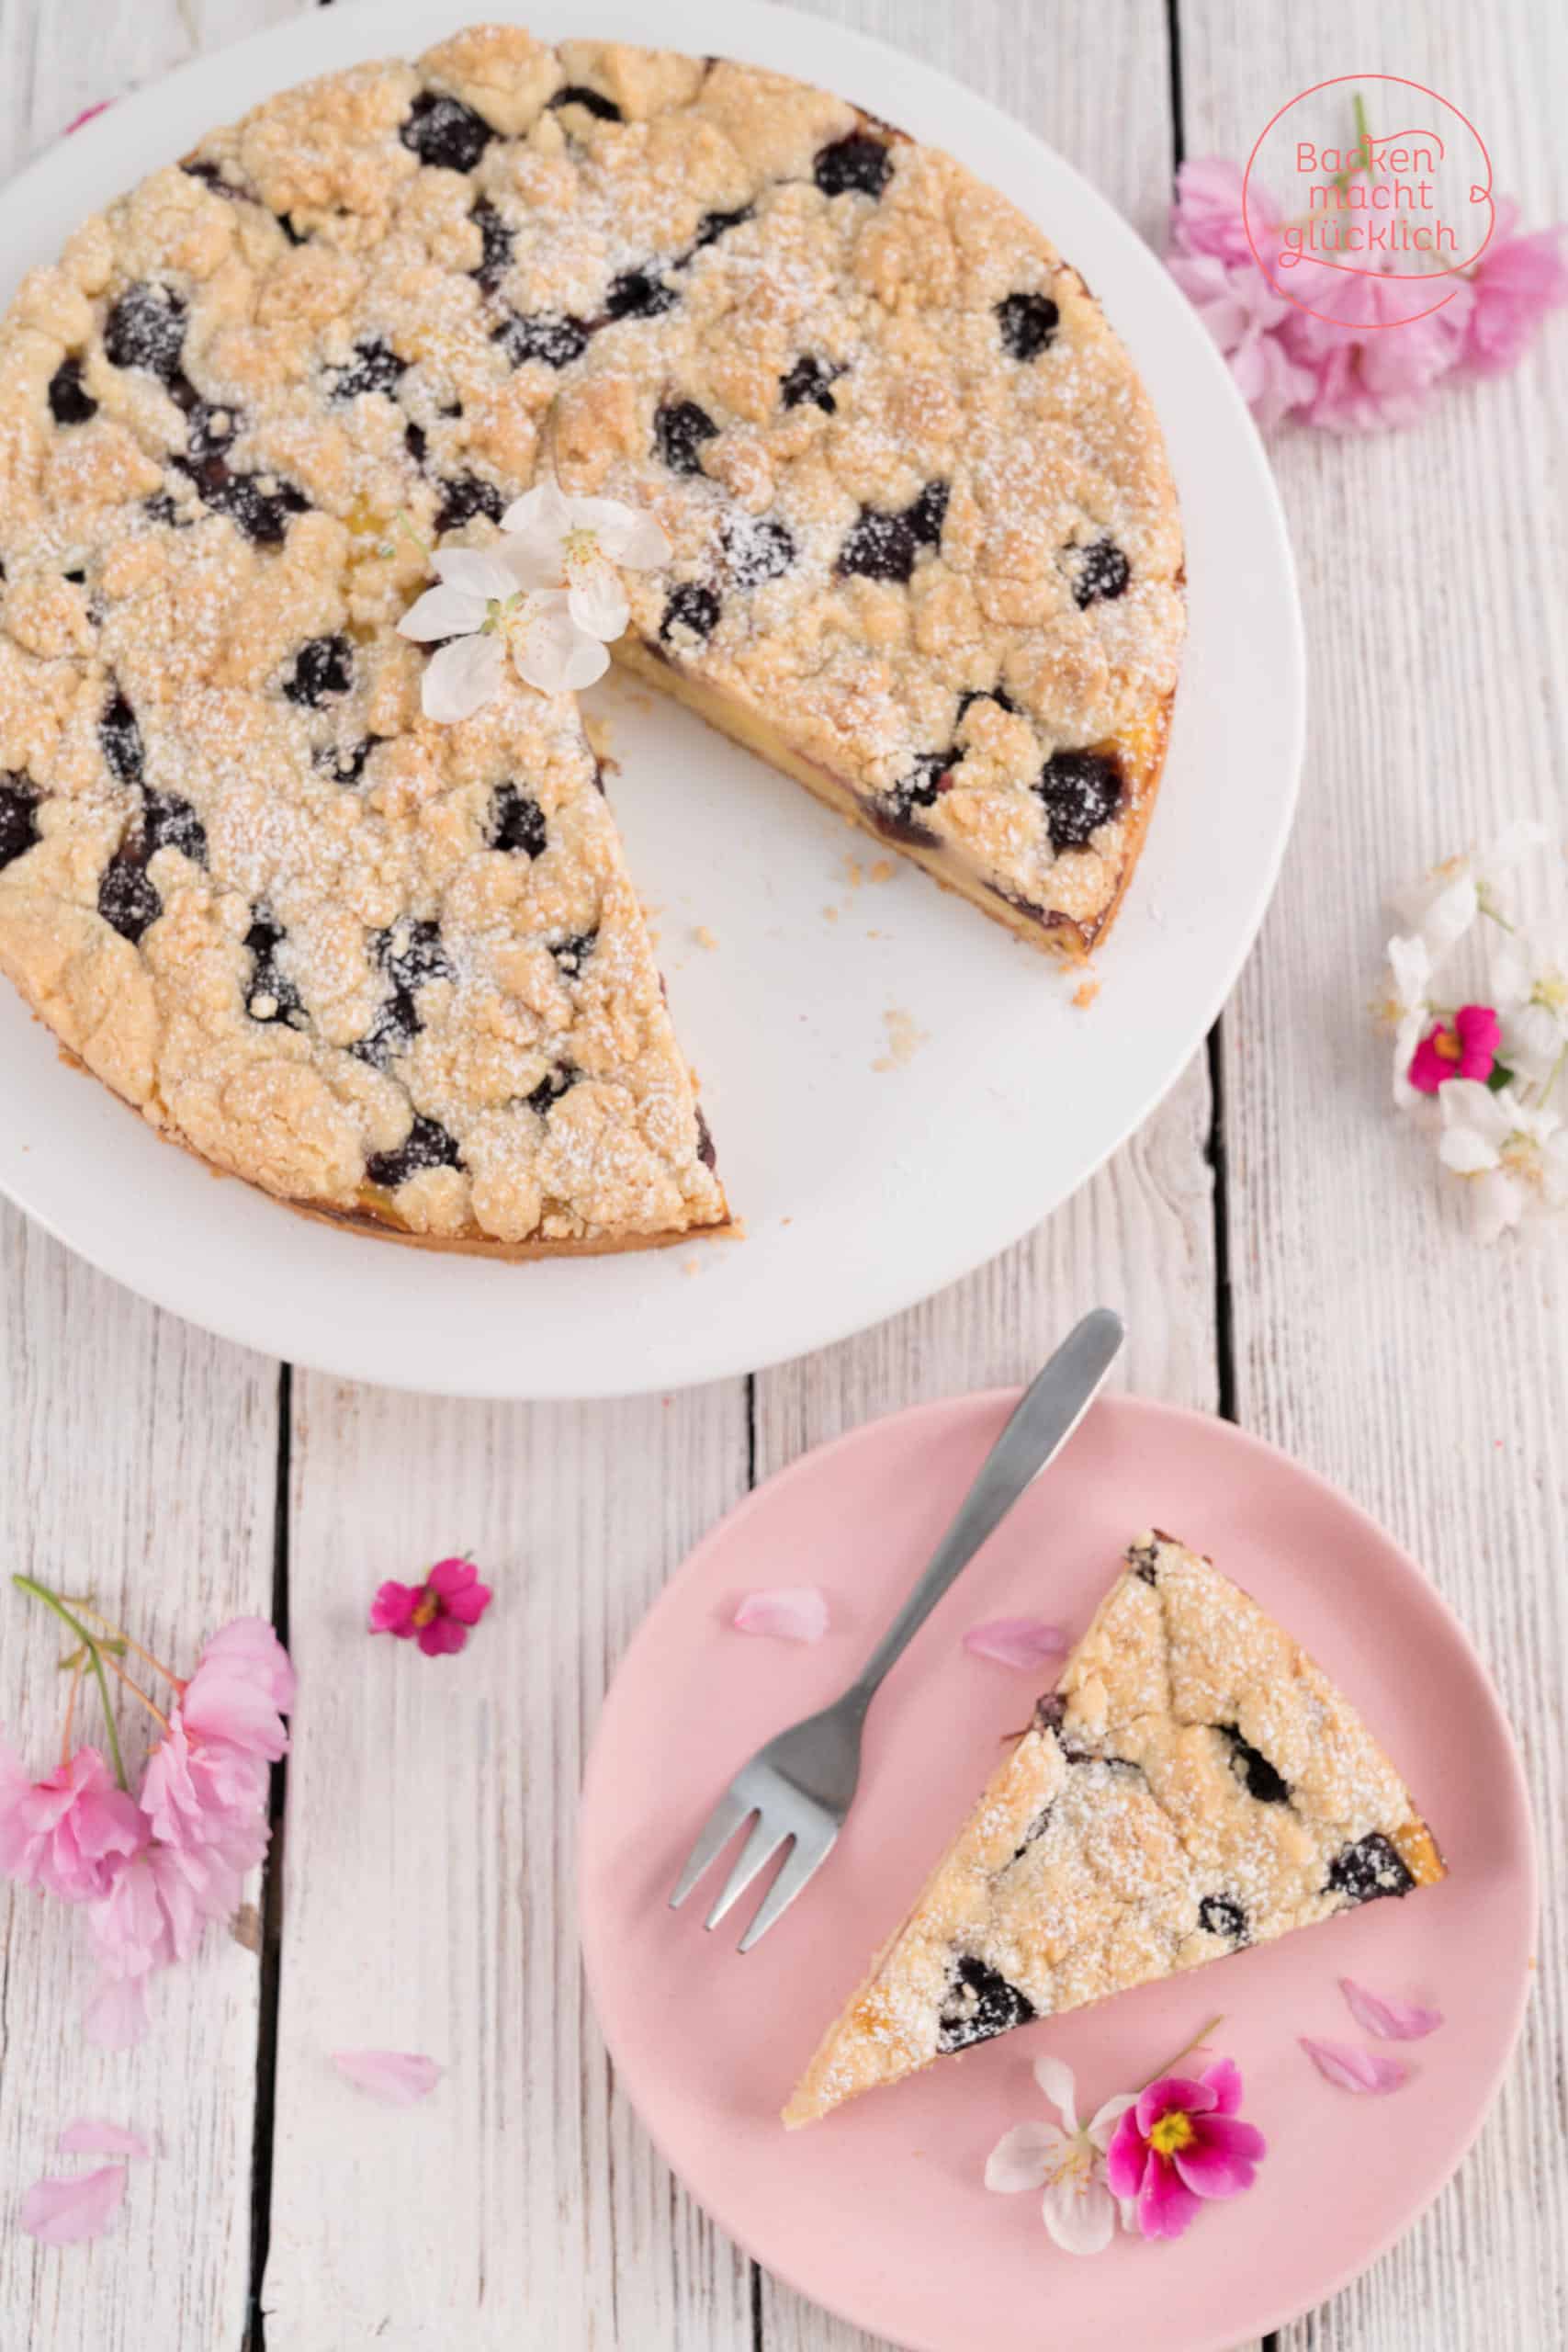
x: 393, y: 973
x: 1196, y: 1784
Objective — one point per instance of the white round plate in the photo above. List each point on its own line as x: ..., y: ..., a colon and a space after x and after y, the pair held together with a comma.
x: 867, y: 1176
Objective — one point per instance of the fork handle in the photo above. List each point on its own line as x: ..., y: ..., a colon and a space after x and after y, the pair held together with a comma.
x: 1046, y: 1416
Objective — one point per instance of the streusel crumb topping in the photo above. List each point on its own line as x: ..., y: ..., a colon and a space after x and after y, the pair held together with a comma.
x: 922, y: 529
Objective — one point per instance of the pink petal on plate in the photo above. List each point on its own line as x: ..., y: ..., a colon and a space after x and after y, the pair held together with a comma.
x: 792, y: 1613
x: 56, y: 2212
x: 1023, y: 1642
x: 1353, y: 2069
x: 401, y: 2077
x: 91, y: 2136
x: 1390, y: 2020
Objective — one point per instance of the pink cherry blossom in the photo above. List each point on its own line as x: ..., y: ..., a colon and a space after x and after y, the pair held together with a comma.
x: 151, y: 1874
x: 1390, y: 2020
x: 66, y: 1834
x: 788, y: 1613
x: 438, y: 1614
x: 1207, y: 216
x: 1350, y: 350
x: 1026, y: 1643
x: 1354, y: 2069
x: 1376, y: 364
x: 57, y: 2213
x: 149, y: 1917
x: 154, y: 1914
x: 1182, y: 2142
x: 1248, y: 320
x: 398, y: 2077
x: 1464, y: 1048
x: 249, y: 1645
x: 1213, y: 261
x: 206, y: 1795
x: 89, y: 2135
x: 1517, y: 282
x: 242, y: 1687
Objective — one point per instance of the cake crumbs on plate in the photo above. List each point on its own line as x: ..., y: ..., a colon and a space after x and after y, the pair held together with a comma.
x: 905, y: 1038
x: 1086, y: 992
x: 704, y: 936
x: 882, y: 871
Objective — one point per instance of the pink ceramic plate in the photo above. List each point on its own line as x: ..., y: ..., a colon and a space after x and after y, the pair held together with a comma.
x: 879, y: 2212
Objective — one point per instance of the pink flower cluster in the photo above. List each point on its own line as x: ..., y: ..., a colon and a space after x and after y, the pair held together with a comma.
x: 1324, y: 365
x: 151, y: 1870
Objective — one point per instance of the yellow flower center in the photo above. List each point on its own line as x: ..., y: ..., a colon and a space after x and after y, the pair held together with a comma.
x: 426, y: 1607
x: 1522, y: 1156
x: 1447, y: 1046
x: 1172, y: 2133
x: 500, y: 614
x: 1074, y: 2165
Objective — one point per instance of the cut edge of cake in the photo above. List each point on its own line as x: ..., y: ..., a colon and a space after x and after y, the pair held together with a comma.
x: 1173, y: 1626
x: 1141, y: 754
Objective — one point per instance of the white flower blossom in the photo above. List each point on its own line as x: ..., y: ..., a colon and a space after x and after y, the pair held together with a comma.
x: 581, y: 545
x: 1529, y: 990
x: 1513, y: 1154
x: 1406, y: 1008
x: 1502, y: 1003
x: 1066, y: 2159
x: 547, y: 592
x: 1444, y: 904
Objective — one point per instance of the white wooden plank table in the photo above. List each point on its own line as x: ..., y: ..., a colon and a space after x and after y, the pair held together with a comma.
x: 1278, y: 1255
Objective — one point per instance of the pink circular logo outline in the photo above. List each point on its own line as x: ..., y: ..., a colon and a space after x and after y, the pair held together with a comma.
x: 1477, y: 195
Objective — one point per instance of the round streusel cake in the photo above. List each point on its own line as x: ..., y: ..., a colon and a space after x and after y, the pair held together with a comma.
x: 926, y: 558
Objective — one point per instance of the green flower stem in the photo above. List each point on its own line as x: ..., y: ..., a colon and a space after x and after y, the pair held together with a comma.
x: 401, y: 522
x: 1185, y: 2051
x: 114, y: 1641
x: 1341, y: 180
x: 53, y: 1600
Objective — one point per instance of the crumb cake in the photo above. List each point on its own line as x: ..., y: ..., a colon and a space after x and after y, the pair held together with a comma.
x: 1195, y: 1784
x: 926, y: 558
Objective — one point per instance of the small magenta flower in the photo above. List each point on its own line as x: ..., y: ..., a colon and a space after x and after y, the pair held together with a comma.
x: 1181, y: 2143
x: 438, y: 1614
x: 1463, y: 1047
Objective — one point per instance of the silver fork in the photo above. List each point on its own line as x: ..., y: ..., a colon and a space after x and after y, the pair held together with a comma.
x: 800, y: 1786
